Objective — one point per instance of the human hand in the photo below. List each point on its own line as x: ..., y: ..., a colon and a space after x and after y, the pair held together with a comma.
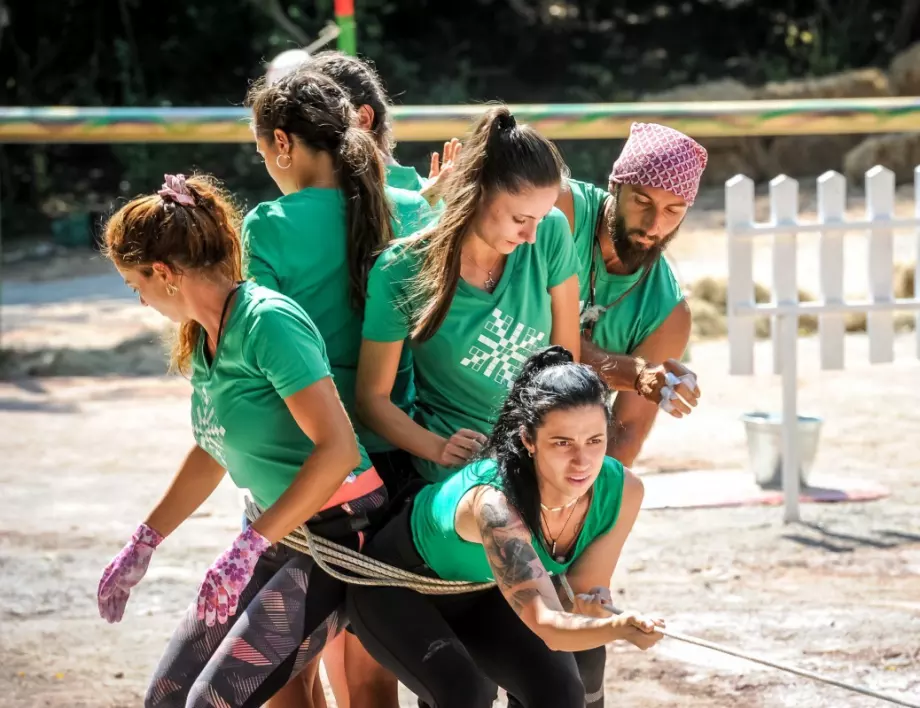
x: 124, y: 572
x: 597, y: 602
x: 670, y: 385
x: 226, y: 579
x: 440, y: 170
x: 639, y: 630
x: 460, y: 447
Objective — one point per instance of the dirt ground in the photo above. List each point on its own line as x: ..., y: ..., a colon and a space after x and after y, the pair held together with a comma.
x: 84, y: 457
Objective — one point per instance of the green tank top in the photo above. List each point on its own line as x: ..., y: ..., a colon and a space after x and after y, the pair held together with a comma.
x: 436, y: 539
x: 623, y: 327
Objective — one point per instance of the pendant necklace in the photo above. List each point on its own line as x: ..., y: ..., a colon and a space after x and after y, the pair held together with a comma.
x: 562, y: 531
x: 490, y: 283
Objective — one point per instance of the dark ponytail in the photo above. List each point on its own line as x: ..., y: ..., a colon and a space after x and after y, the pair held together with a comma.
x: 316, y: 111
x: 361, y: 176
x: 361, y: 82
x: 499, y: 156
x: 549, y: 380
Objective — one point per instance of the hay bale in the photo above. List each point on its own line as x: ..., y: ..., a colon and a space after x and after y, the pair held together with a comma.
x: 899, y: 152
x: 904, y: 280
x: 709, y: 321
x: 904, y: 72
x: 859, y: 83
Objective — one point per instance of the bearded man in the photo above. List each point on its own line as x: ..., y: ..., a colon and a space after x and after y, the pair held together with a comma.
x: 632, y: 305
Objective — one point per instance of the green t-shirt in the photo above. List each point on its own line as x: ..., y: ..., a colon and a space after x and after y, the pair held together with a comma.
x: 463, y: 373
x: 297, y: 245
x: 625, y: 326
x: 404, y: 177
x: 269, y: 350
x: 434, y: 514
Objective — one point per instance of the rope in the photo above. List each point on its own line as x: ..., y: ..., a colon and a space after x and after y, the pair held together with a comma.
x: 364, y: 570
x: 784, y: 667
x: 368, y: 571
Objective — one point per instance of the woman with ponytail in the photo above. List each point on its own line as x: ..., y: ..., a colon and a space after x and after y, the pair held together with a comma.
x: 471, y: 297
x: 316, y: 244
x: 544, y: 513
x: 264, y: 408
x: 360, y: 80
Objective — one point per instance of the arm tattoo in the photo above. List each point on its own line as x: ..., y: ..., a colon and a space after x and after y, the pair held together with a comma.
x: 512, y: 556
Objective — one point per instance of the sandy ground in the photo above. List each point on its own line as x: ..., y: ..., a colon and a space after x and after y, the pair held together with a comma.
x: 85, y: 457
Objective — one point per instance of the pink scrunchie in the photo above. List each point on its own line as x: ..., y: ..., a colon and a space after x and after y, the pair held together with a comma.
x: 175, y: 189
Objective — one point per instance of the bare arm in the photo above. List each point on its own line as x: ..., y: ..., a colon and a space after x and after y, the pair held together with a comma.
x: 596, y: 566
x: 377, y: 367
x: 195, y: 481
x: 633, y: 415
x: 320, y: 414
x: 620, y: 371
x: 527, y: 586
x: 566, y: 327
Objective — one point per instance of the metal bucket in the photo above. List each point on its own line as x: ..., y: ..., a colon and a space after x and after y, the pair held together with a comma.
x: 765, y: 447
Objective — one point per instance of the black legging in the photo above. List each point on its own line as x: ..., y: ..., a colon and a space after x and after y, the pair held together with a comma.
x: 452, y: 650
x: 288, y: 612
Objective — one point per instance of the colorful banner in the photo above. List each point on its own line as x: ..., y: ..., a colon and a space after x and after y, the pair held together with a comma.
x: 438, y: 123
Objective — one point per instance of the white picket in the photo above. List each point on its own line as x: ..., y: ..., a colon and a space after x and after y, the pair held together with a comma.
x: 878, y: 226
x: 784, y: 209
x: 879, y: 210
x: 739, y: 215
x: 832, y: 198
x: 917, y: 255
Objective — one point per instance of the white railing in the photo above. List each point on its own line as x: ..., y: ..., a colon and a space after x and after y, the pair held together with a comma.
x: 831, y: 305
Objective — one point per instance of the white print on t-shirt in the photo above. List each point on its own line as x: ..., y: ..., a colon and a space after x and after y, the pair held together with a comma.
x: 502, y: 348
x: 209, y: 433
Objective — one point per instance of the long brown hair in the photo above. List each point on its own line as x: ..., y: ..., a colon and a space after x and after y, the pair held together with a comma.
x: 499, y: 156
x: 203, y: 238
x: 317, y: 111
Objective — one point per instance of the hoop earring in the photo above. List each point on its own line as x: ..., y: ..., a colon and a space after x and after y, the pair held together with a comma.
x: 171, y: 289
x: 290, y: 161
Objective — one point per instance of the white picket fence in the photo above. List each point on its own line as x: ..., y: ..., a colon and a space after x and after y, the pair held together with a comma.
x: 832, y: 304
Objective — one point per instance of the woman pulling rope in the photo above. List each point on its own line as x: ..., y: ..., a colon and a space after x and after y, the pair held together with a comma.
x: 542, y: 501
x: 265, y: 408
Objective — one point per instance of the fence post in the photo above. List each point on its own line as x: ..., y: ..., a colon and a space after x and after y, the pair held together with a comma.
x: 917, y: 262
x: 784, y: 208
x: 880, y: 209
x: 739, y: 215
x: 832, y: 198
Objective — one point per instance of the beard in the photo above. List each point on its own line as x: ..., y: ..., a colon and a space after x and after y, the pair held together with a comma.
x: 632, y: 254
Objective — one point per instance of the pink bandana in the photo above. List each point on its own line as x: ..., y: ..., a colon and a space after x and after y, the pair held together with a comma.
x: 658, y: 156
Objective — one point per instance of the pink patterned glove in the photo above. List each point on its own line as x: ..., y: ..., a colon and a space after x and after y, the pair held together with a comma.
x: 225, y: 580
x: 124, y: 572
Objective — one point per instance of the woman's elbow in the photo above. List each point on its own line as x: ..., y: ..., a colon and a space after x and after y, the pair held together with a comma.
x: 344, y: 446
x: 542, y: 622
x: 368, y: 405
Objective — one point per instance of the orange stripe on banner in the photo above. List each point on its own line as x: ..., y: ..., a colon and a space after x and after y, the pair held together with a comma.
x: 367, y: 482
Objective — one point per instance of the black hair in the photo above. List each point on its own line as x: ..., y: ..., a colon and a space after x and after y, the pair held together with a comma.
x: 362, y: 83
x: 550, y: 380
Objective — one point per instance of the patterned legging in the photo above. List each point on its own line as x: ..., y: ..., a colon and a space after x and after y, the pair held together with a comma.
x: 287, y: 614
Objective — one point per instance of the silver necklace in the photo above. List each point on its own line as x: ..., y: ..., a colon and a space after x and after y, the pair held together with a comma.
x: 490, y: 283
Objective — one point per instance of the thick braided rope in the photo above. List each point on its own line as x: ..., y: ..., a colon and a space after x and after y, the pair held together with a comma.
x: 365, y: 570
